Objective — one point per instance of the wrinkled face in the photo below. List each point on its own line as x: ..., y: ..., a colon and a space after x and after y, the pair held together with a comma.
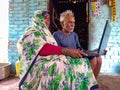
x: 68, y: 24
x: 46, y: 18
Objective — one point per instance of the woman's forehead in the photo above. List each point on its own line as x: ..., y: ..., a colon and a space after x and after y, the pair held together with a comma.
x: 46, y: 15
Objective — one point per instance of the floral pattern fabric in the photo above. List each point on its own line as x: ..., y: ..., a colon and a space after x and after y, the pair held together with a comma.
x: 53, y: 72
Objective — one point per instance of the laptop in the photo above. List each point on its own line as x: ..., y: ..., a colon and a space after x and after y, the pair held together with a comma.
x: 103, y: 42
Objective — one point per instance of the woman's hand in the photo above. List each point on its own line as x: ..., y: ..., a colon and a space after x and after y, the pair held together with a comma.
x: 76, y: 53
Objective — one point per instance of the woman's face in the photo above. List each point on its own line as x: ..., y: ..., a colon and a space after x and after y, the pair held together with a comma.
x: 46, y: 18
x: 69, y: 24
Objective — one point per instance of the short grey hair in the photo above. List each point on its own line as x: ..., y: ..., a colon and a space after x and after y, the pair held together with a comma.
x: 65, y: 14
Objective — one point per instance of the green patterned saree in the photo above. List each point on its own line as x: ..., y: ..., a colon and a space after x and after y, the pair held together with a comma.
x: 53, y: 72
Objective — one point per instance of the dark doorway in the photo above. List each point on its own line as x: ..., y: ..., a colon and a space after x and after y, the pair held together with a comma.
x: 80, y: 9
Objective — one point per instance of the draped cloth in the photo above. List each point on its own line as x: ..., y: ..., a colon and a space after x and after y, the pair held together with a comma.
x: 53, y: 72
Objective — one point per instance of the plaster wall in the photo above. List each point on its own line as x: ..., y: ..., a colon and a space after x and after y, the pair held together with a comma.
x: 111, y: 61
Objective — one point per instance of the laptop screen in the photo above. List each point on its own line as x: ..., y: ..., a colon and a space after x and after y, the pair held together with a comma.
x: 105, y: 37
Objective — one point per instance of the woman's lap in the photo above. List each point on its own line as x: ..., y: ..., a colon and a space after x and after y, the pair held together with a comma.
x: 74, y: 74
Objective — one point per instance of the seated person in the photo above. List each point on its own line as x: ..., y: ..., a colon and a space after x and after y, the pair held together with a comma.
x: 67, y: 38
x: 51, y: 69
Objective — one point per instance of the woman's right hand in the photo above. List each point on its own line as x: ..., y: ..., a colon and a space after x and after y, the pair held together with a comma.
x: 76, y: 53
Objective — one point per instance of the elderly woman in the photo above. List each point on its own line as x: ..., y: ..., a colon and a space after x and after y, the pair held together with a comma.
x: 46, y: 66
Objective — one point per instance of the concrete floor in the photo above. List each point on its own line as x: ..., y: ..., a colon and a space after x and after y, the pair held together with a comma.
x: 109, y: 82
x: 106, y: 82
x: 10, y: 83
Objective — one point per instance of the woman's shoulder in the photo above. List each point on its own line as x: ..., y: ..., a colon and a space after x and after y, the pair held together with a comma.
x: 29, y: 30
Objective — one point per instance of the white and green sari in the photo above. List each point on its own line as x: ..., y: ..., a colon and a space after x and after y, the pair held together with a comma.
x: 53, y: 72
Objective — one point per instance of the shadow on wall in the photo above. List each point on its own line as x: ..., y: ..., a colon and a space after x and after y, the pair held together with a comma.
x: 116, y: 68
